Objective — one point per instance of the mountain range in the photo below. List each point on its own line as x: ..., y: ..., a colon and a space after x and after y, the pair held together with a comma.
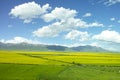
x: 42, y: 47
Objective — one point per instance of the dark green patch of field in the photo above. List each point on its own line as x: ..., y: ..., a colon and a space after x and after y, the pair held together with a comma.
x: 58, y: 72
x: 29, y: 72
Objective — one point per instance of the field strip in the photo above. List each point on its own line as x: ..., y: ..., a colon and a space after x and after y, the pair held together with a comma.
x: 73, y: 63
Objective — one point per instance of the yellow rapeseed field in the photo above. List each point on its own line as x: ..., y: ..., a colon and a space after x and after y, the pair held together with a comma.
x: 59, y: 58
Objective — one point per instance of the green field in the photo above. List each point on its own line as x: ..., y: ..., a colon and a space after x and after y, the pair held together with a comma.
x: 23, y: 65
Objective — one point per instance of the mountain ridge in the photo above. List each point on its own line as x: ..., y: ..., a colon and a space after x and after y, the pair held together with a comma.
x: 43, y: 47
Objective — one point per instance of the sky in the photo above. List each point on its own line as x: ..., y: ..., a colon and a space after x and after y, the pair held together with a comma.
x: 61, y: 22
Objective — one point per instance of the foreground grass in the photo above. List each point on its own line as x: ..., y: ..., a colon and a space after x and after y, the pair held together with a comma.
x: 21, y: 65
x: 58, y: 72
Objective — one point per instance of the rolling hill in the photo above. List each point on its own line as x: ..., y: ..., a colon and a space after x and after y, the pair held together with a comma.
x: 42, y: 47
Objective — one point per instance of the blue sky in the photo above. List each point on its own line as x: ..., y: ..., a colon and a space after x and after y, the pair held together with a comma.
x: 61, y: 22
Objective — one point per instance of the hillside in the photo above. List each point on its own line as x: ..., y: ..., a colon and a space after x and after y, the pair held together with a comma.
x: 41, y: 47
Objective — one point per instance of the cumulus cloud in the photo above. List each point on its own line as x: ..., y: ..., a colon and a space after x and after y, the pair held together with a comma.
x: 111, y: 2
x: 20, y: 40
x: 112, y: 19
x: 108, y: 36
x: 65, y: 21
x: 87, y: 15
x: 118, y: 21
x: 54, y: 29
x: 29, y: 11
x: 77, y: 35
x: 95, y: 24
x: 59, y: 13
x: 47, y: 31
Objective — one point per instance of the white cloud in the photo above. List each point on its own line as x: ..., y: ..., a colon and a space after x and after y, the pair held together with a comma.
x: 109, y: 36
x: 87, y: 15
x: 112, y: 19
x: 46, y: 31
x: 76, y: 44
x: 10, y: 26
x: 20, y: 40
x: 118, y: 21
x: 110, y: 26
x: 54, y: 29
x: 59, y: 14
x: 95, y: 24
x: 95, y: 44
x: 65, y: 21
x: 111, y: 2
x: 29, y: 11
x: 104, y: 45
x: 2, y: 40
x: 77, y: 35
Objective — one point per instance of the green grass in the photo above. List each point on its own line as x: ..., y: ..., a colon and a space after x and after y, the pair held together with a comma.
x: 28, y: 72
x: 21, y: 65
x: 58, y: 72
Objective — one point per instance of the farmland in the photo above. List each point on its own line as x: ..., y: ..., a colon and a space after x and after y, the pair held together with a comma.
x: 24, y: 65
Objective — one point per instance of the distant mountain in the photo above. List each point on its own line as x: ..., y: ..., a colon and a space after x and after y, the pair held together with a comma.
x: 23, y: 46
x: 42, y: 47
x: 89, y: 48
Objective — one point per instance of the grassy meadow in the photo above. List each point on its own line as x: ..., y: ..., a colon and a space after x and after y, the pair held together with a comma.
x: 24, y: 65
